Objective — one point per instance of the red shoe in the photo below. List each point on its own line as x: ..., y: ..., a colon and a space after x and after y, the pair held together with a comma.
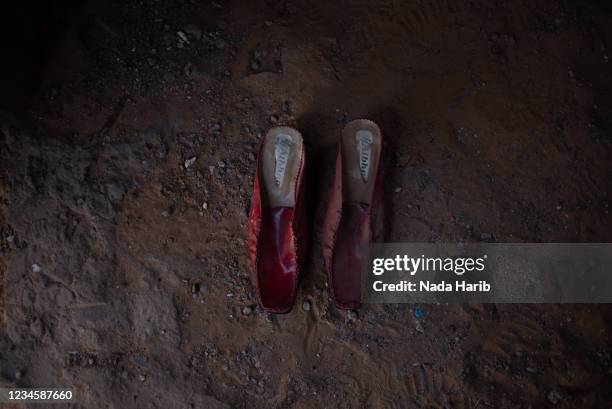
x: 355, y: 211
x: 278, y: 226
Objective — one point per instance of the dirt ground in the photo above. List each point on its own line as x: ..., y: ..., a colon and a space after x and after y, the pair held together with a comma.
x: 126, y: 167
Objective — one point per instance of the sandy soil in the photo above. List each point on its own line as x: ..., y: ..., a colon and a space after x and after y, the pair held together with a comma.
x: 125, y: 181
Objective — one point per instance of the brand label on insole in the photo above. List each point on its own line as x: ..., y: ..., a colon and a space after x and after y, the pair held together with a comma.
x: 281, y: 155
x: 364, y: 150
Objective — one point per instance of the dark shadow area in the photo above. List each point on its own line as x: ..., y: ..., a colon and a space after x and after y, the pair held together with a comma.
x: 29, y: 31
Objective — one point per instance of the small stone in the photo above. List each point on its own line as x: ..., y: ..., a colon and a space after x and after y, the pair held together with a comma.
x: 183, y: 36
x: 352, y: 315
x: 247, y: 310
x: 36, y: 268
x: 190, y: 162
x: 18, y: 375
x: 221, y: 164
x: 398, y: 189
x: 553, y: 397
x: 205, y: 205
x: 255, y: 65
x: 306, y: 306
x: 10, y: 238
x: 142, y: 378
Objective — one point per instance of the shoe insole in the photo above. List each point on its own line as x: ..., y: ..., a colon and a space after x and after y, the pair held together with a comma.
x: 282, y: 156
x: 361, y: 150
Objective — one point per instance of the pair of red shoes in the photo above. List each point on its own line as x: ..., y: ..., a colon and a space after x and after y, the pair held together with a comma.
x: 278, y: 226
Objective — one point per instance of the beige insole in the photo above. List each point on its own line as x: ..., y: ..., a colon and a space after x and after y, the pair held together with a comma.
x: 282, y: 155
x: 361, y: 150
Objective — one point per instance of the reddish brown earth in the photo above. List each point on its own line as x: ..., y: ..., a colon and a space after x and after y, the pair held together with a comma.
x: 497, y: 118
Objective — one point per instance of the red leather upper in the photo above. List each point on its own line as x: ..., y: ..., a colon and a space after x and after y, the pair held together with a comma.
x: 353, y: 233
x: 348, y: 229
x: 277, y: 268
x: 277, y: 244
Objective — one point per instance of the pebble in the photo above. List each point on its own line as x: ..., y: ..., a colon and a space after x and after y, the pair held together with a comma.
x: 190, y: 162
x: 183, y: 36
x: 36, y: 268
x: 398, y: 189
x: 554, y: 397
x: 247, y: 310
x: 205, y: 205
x: 142, y: 378
x: 352, y: 315
x: 306, y: 306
